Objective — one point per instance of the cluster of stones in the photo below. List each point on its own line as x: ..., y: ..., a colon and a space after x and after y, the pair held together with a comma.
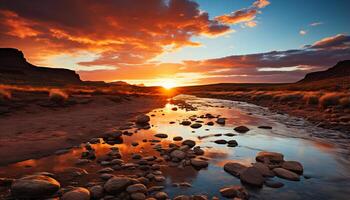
x: 268, y: 165
x: 147, y: 179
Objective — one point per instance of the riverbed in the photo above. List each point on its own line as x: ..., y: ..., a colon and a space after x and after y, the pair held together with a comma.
x: 326, y: 167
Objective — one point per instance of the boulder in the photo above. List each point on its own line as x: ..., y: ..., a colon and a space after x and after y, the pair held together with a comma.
x: 270, y: 157
x: 234, y: 168
x: 178, y: 154
x: 286, y: 174
x: 252, y: 176
x: 116, y: 185
x: 34, y: 187
x: 96, y: 192
x: 264, y: 169
x: 136, y: 188
x: 199, y: 164
x: 78, y: 193
x: 293, y: 166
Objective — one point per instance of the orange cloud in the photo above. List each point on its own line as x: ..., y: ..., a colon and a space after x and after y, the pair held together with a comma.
x: 108, y: 27
x: 244, y: 15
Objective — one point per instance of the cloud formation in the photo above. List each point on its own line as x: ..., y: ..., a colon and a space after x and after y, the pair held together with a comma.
x: 244, y: 15
x: 115, y: 28
x: 274, y: 66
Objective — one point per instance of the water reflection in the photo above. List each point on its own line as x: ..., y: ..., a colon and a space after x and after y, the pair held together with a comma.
x: 329, y: 177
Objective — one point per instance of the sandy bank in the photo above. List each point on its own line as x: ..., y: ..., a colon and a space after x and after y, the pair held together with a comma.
x: 34, y: 130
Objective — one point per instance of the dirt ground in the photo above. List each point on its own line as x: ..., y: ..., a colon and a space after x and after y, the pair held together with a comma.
x: 35, y: 131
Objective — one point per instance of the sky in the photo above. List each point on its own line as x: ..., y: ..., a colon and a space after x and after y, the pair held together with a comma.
x: 180, y: 42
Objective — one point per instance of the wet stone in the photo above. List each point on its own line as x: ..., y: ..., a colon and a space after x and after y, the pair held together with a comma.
x: 252, y: 176
x: 177, y: 138
x: 34, y: 186
x: 161, y: 135
x: 241, y: 129
x: 189, y: 143
x: 78, y: 193
x: 220, y: 141
x: 273, y: 184
x: 293, y: 166
x: 232, y: 143
x: 234, y: 168
x: 234, y: 192
x: 286, y: 174
x: 196, y: 125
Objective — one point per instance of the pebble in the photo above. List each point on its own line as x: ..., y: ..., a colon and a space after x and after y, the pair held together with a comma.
x: 241, y: 129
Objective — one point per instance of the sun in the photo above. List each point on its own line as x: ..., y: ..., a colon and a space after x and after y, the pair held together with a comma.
x: 168, y: 84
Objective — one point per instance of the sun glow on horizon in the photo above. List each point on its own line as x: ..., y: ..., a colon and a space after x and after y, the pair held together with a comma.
x: 168, y: 84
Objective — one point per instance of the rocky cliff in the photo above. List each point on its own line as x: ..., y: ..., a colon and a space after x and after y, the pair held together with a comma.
x: 341, y: 69
x: 14, y: 69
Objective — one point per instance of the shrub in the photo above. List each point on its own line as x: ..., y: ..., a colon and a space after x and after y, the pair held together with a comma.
x: 57, y: 96
x: 345, y: 102
x: 5, y: 94
x: 330, y: 99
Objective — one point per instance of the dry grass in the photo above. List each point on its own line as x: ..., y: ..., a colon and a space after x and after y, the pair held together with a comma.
x: 58, y: 96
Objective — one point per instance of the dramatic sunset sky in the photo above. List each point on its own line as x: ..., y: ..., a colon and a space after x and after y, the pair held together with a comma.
x: 180, y: 42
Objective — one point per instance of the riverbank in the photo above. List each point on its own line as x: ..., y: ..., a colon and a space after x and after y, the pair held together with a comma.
x: 36, y: 127
x: 330, y: 110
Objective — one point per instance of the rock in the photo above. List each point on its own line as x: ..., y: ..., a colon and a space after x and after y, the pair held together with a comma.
x: 117, y: 184
x: 230, y: 134
x: 199, y: 197
x: 196, y: 125
x: 234, y: 192
x: 234, y: 168
x: 198, y: 151
x: 161, y: 135
x: 177, y: 138
x: 136, y: 156
x: 136, y: 188
x: 272, y: 157
x: 178, y: 154
x: 182, y: 197
x: 96, y: 192
x: 210, y: 123
x: 138, y: 196
x: 220, y: 141
x: 78, y: 193
x: 232, y: 143
x: 189, y: 143
x: 134, y: 144
x: 252, y: 176
x: 293, y: 166
x: 241, y: 129
x: 34, y: 187
x: 221, y: 121
x: 161, y: 196
x: 286, y: 174
x: 273, y: 184
x: 264, y: 169
x: 199, y: 164
x: 265, y: 127
x: 142, y: 119
x: 106, y: 170
x: 186, y: 123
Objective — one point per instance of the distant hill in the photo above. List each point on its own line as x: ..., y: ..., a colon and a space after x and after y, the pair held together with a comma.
x: 14, y: 69
x: 341, y: 69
